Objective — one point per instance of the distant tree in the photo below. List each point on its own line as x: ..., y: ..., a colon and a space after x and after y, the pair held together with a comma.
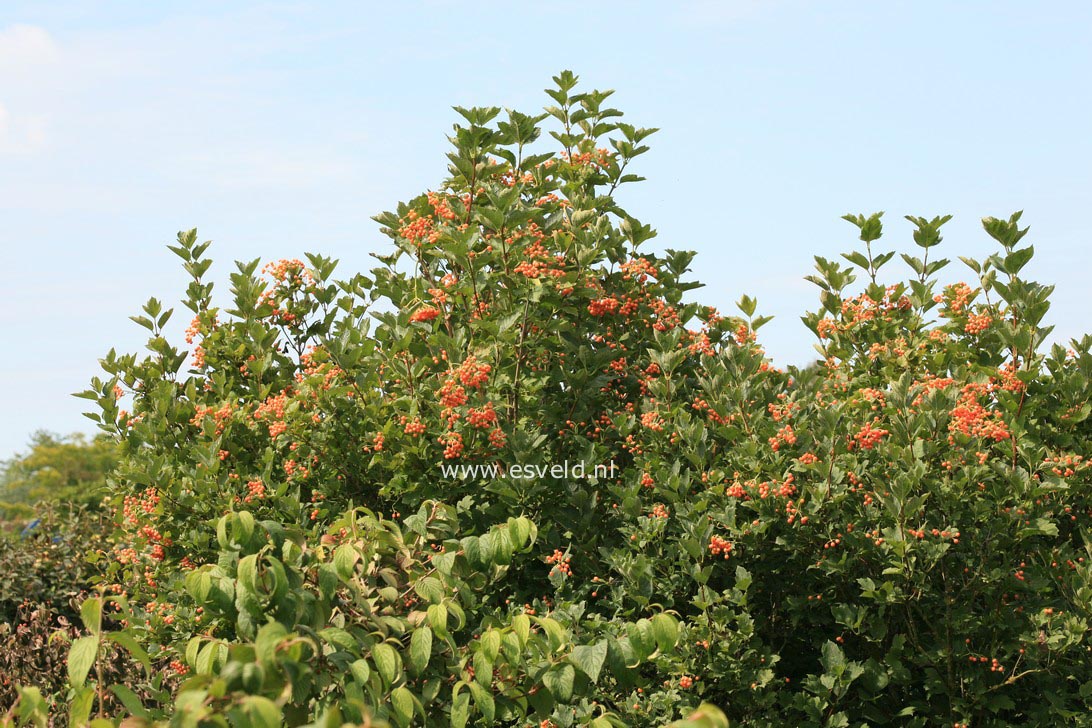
x: 70, y: 469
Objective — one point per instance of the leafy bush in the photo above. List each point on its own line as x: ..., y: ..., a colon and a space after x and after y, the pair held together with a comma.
x: 45, y: 574
x: 895, y: 534
x: 50, y: 562
x: 38, y: 642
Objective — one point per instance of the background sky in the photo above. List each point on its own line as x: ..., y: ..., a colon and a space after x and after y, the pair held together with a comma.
x: 281, y: 128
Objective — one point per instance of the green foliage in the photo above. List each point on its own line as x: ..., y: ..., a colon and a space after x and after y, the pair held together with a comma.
x: 370, y: 623
x: 894, y: 535
x: 56, y: 469
x: 52, y: 563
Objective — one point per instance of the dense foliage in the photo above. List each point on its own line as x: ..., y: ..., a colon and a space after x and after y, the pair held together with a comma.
x: 893, y: 535
x: 55, y: 469
x: 47, y: 571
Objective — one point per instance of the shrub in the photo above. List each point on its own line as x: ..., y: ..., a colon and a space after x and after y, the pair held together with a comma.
x: 894, y: 534
x: 51, y: 562
x: 47, y: 572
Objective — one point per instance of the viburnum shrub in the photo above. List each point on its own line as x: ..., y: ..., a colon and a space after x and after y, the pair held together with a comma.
x: 895, y: 534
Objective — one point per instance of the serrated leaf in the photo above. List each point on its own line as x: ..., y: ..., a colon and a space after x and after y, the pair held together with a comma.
x: 437, y: 618
x: 1017, y: 259
x: 386, y: 662
x: 521, y: 625
x: 91, y: 615
x: 79, y: 709
x: 360, y: 671
x: 402, y: 702
x: 460, y: 710
x: 420, y: 649
x: 559, y: 681
x: 484, y: 700
x: 81, y: 657
x: 590, y: 659
x: 430, y: 589
x: 345, y: 558
x: 665, y: 630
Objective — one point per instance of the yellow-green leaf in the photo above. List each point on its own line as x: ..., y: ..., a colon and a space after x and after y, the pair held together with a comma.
x: 386, y: 662
x: 420, y: 649
x: 81, y: 657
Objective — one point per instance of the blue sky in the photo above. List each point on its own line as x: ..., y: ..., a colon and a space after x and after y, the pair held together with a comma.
x: 279, y: 128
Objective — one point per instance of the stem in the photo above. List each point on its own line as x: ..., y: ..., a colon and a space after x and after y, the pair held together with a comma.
x: 519, y: 363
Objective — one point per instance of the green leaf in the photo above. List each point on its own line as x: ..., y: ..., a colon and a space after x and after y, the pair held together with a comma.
x: 402, y: 702
x: 79, y: 710
x: 345, y: 558
x: 430, y: 589
x: 484, y: 700
x: 131, y: 701
x: 247, y: 572
x: 243, y: 526
x: 386, y: 662
x: 857, y: 258
x: 491, y: 643
x: 590, y: 659
x: 130, y: 644
x: 559, y: 681
x: 832, y: 657
x: 521, y: 625
x: 706, y: 716
x: 420, y: 650
x: 91, y: 615
x: 268, y: 639
x: 460, y: 710
x: 1017, y: 259
x: 81, y: 657
x: 520, y: 530
x: 339, y: 638
x: 221, y: 533
x: 33, y: 708
x: 360, y: 672
x: 665, y: 630
x: 1040, y: 527
x: 554, y: 631
x: 444, y: 562
x: 261, y: 712
x: 437, y: 618
x: 199, y: 584
x: 206, y: 658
